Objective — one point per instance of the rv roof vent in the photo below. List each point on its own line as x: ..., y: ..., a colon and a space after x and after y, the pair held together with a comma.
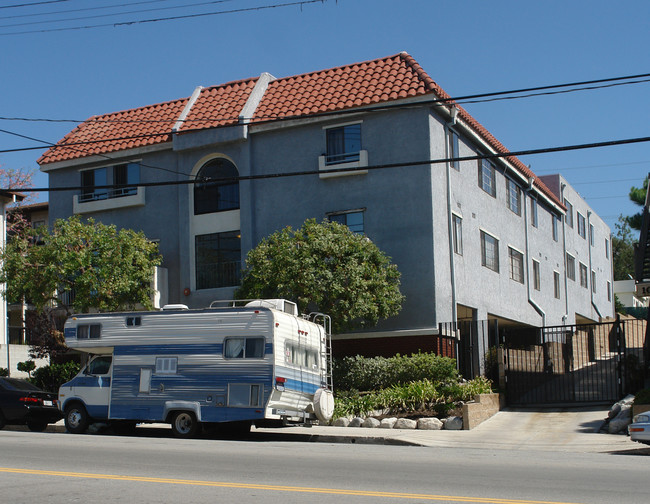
x: 278, y: 304
x: 170, y: 307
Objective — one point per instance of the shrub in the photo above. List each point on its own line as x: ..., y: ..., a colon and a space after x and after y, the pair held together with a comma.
x: 26, y: 367
x: 51, y: 377
x: 642, y: 397
x: 4, y: 371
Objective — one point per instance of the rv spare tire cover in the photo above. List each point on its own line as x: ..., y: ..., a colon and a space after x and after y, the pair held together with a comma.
x: 324, y: 404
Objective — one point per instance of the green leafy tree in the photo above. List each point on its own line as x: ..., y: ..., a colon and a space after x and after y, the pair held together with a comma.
x: 637, y: 196
x: 325, y: 267
x: 623, y: 250
x: 75, y: 267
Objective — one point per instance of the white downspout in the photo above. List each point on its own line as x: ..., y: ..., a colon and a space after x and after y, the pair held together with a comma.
x: 450, y: 224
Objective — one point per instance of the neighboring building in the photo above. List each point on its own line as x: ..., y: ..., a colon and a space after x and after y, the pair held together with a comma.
x: 474, y: 239
x: 625, y: 291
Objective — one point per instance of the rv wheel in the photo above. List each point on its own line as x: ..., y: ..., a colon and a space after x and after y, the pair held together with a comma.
x: 185, y: 425
x: 76, y: 419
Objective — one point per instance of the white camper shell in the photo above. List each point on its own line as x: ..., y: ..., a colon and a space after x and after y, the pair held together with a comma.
x: 237, y: 365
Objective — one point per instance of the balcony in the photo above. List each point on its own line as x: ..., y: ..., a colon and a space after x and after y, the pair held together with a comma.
x: 104, y: 199
x: 347, y: 161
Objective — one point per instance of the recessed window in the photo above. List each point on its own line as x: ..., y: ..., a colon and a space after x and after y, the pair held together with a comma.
x: 218, y: 260
x: 516, y: 265
x: 533, y: 213
x: 91, y: 185
x: 217, y: 187
x: 583, y: 276
x: 609, y: 291
x: 514, y: 196
x: 244, y: 348
x: 166, y: 365
x: 453, y: 150
x: 487, y: 177
x: 606, y: 248
x: 352, y: 219
x: 593, y: 281
x: 536, y: 275
x: 343, y: 144
x: 570, y: 267
x: 569, y: 213
x: 122, y: 177
x: 556, y: 285
x: 555, y: 223
x: 581, y: 225
x: 457, y: 223
x: 591, y: 235
x: 489, y: 251
x: 133, y: 321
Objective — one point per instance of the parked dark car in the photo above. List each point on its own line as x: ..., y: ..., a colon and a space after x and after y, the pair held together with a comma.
x: 22, y: 403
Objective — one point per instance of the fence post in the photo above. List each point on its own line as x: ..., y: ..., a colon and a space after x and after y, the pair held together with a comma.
x: 619, y: 352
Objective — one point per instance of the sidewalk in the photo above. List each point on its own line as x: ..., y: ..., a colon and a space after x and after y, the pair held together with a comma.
x: 560, y: 430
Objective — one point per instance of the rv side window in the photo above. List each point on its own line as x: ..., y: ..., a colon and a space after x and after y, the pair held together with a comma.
x: 300, y: 356
x: 92, y: 331
x: 133, y: 321
x: 244, y: 348
x: 166, y: 365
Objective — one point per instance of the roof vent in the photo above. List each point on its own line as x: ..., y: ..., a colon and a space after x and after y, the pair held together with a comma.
x: 172, y: 307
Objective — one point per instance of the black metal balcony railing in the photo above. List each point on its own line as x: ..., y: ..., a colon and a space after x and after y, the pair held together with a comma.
x: 103, y: 194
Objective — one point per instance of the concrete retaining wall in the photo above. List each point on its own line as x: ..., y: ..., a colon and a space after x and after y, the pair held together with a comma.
x: 18, y: 353
x: 484, y: 407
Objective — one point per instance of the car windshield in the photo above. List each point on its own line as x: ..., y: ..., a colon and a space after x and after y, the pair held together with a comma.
x: 15, y: 384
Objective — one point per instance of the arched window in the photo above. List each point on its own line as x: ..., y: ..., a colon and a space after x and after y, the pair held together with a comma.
x: 217, y: 188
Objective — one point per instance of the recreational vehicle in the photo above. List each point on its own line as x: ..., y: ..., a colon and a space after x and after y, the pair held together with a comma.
x: 259, y: 363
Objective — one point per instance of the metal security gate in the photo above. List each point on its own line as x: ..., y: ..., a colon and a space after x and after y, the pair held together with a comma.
x: 591, y: 363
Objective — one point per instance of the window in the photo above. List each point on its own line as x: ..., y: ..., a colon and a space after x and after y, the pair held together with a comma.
x: 100, y: 365
x: 453, y: 150
x: 352, y: 219
x: 593, y: 281
x: 556, y: 285
x: 123, y: 177
x: 301, y: 356
x: 516, y: 265
x: 457, y: 223
x: 591, y: 235
x: 606, y: 248
x: 244, y: 348
x: 133, y: 321
x: 489, y: 251
x: 89, y: 331
x: 343, y: 144
x: 570, y: 267
x: 581, y: 225
x: 583, y: 276
x: 217, y: 187
x: 609, y: 291
x: 487, y: 177
x: 514, y: 196
x: 569, y: 213
x: 166, y: 365
x: 536, y: 275
x: 556, y: 233
x: 244, y: 395
x: 533, y: 212
x: 218, y: 260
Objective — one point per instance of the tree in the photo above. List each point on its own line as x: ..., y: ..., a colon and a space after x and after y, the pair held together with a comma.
x: 327, y: 268
x: 623, y: 250
x: 77, y: 266
x: 637, y: 196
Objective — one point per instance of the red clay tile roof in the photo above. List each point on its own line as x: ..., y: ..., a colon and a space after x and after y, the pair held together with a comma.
x: 360, y: 84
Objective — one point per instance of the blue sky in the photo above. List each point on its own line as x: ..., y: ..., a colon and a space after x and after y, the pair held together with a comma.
x: 467, y: 47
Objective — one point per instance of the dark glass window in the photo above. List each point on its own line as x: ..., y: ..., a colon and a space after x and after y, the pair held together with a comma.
x: 90, y: 181
x: 353, y: 220
x: 487, y: 177
x: 343, y: 144
x: 123, y: 175
x: 217, y: 187
x: 218, y: 260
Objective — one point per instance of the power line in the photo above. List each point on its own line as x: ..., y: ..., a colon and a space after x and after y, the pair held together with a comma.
x: 300, y: 3
x: 406, y: 164
x: 30, y: 4
x: 83, y: 9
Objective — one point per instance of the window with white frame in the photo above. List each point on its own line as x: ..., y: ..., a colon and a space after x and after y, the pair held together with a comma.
x: 536, y: 275
x: 569, y: 213
x: 166, y: 365
x: 514, y: 196
x: 457, y: 223
x: 353, y: 219
x: 489, y: 251
x: 516, y: 265
x: 487, y: 177
x: 583, y: 276
x: 581, y: 225
x: 570, y: 267
x: 244, y: 348
x: 533, y: 213
x: 556, y: 285
x: 593, y: 281
x: 343, y: 144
